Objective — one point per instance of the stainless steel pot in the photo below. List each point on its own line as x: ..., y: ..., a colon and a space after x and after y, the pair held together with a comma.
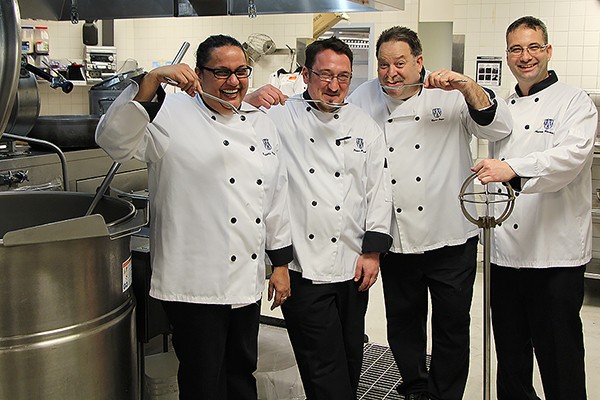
x: 10, y: 48
x: 104, y: 93
x: 67, y: 329
x: 67, y: 131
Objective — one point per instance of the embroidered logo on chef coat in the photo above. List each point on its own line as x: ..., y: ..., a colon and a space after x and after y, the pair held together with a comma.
x: 360, y: 145
x: 437, y: 114
x: 548, y: 126
x: 268, y: 148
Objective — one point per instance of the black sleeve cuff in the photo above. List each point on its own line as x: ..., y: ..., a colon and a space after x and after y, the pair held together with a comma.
x: 281, y: 256
x: 151, y: 107
x: 376, y: 242
x: 485, y: 117
x: 515, y: 183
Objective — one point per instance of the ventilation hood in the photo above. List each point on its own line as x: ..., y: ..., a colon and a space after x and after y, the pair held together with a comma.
x: 65, y: 10
x: 240, y: 7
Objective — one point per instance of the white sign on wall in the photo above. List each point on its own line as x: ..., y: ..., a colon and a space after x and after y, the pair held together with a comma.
x: 489, y: 71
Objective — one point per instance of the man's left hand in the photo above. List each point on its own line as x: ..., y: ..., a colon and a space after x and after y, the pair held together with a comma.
x: 279, y: 286
x: 367, y: 268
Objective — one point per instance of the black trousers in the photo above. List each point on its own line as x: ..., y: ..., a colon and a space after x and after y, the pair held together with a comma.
x: 448, y: 274
x: 217, y: 348
x: 326, y: 325
x: 537, y: 311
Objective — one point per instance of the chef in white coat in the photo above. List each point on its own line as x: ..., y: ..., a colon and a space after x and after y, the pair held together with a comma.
x: 340, y: 212
x: 428, y: 128
x: 539, y: 253
x: 218, y: 203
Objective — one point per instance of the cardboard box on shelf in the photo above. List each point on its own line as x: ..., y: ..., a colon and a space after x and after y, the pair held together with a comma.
x: 324, y: 21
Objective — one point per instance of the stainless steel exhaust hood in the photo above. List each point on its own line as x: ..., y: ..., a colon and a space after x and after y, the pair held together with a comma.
x: 63, y: 10
x: 240, y: 7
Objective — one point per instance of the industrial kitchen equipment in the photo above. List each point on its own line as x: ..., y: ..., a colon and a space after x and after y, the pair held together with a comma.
x: 10, y: 48
x: 486, y: 222
x: 100, y: 62
x: 68, y: 325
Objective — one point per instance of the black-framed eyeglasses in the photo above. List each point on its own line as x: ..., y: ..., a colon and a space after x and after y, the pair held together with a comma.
x: 225, y: 73
x: 326, y: 76
x: 532, y: 49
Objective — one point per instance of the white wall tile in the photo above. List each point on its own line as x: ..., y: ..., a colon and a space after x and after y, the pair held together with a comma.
x: 561, y: 7
x: 561, y: 23
x: 532, y: 8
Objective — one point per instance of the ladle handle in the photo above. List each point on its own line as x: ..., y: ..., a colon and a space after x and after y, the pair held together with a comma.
x: 103, y: 186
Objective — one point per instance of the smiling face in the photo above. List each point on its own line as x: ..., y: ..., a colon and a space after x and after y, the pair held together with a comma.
x: 232, y: 89
x: 528, y: 69
x: 397, y: 66
x: 330, y: 62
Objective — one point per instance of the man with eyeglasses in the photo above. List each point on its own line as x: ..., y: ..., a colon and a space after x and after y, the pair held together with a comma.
x: 539, y: 253
x: 340, y: 217
x: 218, y: 201
x: 428, y: 120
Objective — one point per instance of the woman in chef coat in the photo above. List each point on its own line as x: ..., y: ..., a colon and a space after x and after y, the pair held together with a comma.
x: 539, y: 253
x: 340, y: 212
x: 218, y: 201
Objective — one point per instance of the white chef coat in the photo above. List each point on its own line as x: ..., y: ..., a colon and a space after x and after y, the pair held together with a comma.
x: 429, y: 158
x: 338, y: 194
x: 289, y: 84
x: 551, y: 147
x: 218, y: 195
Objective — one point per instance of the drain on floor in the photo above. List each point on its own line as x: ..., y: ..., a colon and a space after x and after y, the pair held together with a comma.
x: 379, y: 375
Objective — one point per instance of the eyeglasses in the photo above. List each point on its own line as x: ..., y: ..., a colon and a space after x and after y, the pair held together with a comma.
x: 532, y: 49
x: 325, y: 76
x: 225, y: 73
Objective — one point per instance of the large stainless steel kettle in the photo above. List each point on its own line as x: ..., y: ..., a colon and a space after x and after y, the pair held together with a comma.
x: 26, y: 108
x: 10, y: 49
x: 67, y: 328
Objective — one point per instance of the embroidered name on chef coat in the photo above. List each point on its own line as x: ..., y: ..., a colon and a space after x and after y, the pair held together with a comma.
x: 437, y: 114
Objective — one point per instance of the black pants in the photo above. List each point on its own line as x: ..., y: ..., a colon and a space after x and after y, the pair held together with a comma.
x: 537, y: 311
x: 448, y: 274
x: 217, y: 349
x: 326, y: 325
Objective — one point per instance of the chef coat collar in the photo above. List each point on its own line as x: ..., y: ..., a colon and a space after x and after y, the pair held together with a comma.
x: 538, y: 87
x: 243, y: 109
x: 306, y: 96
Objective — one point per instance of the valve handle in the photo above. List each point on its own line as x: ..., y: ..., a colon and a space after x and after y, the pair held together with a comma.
x: 487, y: 199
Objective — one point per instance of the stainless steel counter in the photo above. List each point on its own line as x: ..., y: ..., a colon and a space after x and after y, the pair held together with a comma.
x: 86, y: 170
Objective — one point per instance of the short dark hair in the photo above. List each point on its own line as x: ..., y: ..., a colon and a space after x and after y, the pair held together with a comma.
x: 331, y: 43
x: 531, y: 23
x: 204, y: 51
x: 400, y: 34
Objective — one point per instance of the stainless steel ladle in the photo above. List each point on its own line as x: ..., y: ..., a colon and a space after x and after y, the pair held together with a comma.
x: 327, y: 103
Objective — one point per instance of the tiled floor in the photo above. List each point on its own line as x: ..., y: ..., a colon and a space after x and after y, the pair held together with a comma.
x: 590, y: 315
